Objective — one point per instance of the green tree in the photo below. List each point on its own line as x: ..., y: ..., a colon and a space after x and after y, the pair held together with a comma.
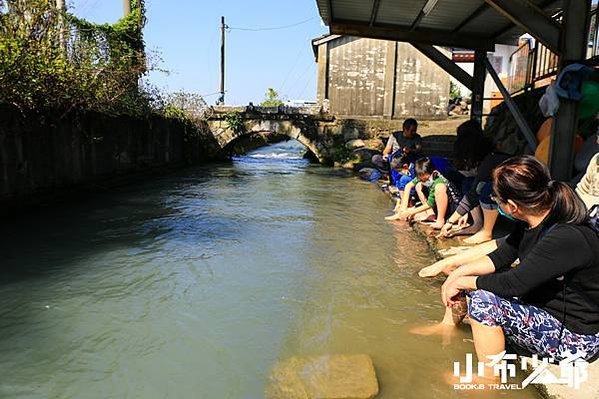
x: 454, y: 91
x: 272, y: 99
x: 49, y: 58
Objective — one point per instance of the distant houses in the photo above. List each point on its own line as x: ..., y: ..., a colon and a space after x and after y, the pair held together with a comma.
x: 378, y: 79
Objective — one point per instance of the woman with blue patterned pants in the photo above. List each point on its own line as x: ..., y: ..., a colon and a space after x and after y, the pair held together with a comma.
x: 549, y: 303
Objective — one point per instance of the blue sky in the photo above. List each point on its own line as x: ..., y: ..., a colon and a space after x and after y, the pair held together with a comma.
x: 186, y: 34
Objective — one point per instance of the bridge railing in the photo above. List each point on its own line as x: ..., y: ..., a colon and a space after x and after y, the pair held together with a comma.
x: 280, y: 110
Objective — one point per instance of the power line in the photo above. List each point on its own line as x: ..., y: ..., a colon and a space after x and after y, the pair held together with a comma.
x: 273, y: 27
x: 300, y: 77
x: 300, y: 53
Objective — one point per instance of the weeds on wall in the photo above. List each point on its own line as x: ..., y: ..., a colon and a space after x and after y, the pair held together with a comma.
x: 234, y: 121
x: 49, y: 58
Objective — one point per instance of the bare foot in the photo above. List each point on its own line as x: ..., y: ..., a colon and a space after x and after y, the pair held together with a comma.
x: 396, y: 216
x: 478, y: 238
x: 432, y: 271
x: 437, y: 225
x: 456, y: 229
x: 435, y: 329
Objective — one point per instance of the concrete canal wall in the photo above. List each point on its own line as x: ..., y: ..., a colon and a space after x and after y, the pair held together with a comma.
x: 44, y: 154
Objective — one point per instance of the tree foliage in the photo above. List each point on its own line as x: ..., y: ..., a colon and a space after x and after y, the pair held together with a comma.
x: 454, y: 91
x: 272, y: 99
x: 52, y: 59
x: 234, y: 121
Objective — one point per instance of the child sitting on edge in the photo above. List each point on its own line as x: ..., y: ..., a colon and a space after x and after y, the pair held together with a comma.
x: 442, y: 197
x: 402, y: 171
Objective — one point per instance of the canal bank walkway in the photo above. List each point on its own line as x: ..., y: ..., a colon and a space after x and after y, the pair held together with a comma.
x: 589, y: 386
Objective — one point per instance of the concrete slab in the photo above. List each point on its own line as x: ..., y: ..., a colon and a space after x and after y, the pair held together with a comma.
x: 324, y: 377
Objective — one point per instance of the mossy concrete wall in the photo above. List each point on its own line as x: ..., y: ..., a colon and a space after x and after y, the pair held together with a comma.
x: 45, y: 153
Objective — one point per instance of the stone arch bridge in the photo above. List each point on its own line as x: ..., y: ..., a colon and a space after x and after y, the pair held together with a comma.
x: 308, y: 125
x: 321, y: 133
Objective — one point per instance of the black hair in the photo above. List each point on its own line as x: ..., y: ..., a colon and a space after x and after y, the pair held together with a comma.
x: 471, y: 146
x: 424, y: 166
x: 408, y: 123
x: 526, y: 181
x: 400, y: 161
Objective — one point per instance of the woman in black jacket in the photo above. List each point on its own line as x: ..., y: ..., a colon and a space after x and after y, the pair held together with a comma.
x: 474, y: 152
x: 549, y: 303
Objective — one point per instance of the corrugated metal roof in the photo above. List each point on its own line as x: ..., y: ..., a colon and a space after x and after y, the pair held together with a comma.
x: 472, y: 18
x: 391, y: 13
x: 449, y: 13
x: 356, y: 10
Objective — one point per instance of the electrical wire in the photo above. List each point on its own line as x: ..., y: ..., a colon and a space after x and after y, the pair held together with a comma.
x: 273, y: 27
x: 300, y: 53
x: 212, y: 94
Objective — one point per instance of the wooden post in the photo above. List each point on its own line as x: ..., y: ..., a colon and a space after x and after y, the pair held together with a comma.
x: 390, y: 79
x: 572, y: 45
x: 126, y: 7
x: 223, y: 28
x: 478, y: 85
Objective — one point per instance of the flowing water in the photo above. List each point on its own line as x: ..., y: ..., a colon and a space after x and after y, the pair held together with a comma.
x: 194, y: 285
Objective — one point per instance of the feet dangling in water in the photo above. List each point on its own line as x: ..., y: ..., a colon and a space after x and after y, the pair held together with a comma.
x: 395, y: 216
x: 478, y: 238
x: 435, y: 329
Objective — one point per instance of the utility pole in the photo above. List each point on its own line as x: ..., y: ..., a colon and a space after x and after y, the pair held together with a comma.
x: 223, y: 29
x: 126, y: 7
x: 62, y: 32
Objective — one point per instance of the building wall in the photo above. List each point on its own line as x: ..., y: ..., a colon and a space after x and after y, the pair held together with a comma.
x: 356, y: 76
x: 421, y: 88
x: 371, y: 78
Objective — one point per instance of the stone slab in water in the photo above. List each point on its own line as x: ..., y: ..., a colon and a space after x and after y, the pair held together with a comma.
x: 324, y: 377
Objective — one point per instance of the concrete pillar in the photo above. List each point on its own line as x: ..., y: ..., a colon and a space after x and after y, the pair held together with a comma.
x: 572, y: 46
x: 322, y: 92
x: 390, y: 79
x: 478, y: 85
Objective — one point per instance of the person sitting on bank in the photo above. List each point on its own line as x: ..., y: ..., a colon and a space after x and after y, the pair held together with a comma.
x: 473, y: 150
x: 407, y: 142
x: 442, y: 197
x: 588, y: 186
x: 587, y: 189
x: 549, y: 304
x: 403, y: 171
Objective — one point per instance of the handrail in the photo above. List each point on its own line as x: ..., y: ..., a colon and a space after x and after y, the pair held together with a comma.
x: 530, y: 65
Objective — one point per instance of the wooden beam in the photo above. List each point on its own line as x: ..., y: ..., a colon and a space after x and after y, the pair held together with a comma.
x: 417, y: 21
x: 374, y: 12
x: 511, y: 25
x: 565, y: 125
x: 330, y: 3
x: 470, y: 17
x: 445, y: 63
x: 531, y: 19
x: 514, y: 110
x: 478, y: 86
x: 403, y: 34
